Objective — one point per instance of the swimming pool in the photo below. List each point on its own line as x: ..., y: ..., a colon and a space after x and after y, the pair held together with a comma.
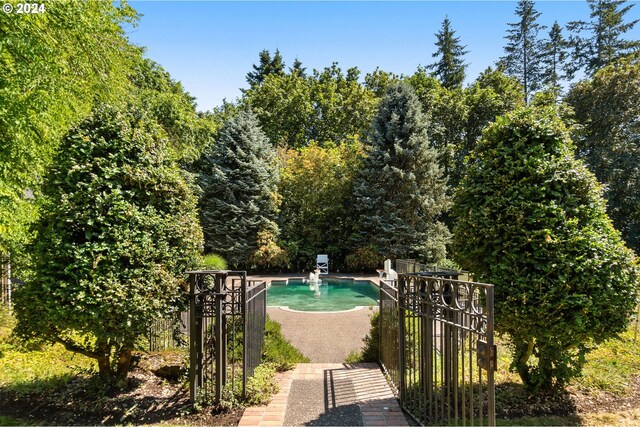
x: 333, y: 295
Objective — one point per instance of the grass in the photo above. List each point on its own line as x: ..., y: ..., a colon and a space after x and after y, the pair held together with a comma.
x: 26, y: 370
x: 214, y: 262
x: 8, y: 421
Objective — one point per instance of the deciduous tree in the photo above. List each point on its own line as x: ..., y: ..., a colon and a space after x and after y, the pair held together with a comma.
x: 608, y: 138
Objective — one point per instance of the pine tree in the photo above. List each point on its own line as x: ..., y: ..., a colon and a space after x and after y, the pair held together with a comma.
x: 266, y: 66
x: 298, y: 69
x: 238, y: 183
x: 604, y: 44
x: 522, y: 59
x: 554, y: 58
x: 450, y: 68
x: 401, y: 191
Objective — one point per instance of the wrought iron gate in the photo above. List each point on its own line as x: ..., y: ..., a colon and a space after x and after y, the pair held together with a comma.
x: 436, y: 345
x: 227, y: 320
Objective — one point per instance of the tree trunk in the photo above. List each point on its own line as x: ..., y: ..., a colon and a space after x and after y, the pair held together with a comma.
x: 123, y: 365
x: 522, y: 353
x: 103, y: 357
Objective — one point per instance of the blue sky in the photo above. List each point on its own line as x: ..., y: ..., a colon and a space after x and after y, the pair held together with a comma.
x: 210, y: 46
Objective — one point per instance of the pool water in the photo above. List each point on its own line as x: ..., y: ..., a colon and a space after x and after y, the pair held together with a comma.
x: 335, y: 295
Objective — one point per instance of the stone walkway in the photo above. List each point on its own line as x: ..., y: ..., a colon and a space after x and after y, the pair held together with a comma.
x: 330, y: 394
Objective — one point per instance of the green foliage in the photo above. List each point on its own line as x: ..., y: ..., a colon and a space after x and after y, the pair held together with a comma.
x: 117, y: 230
x: 364, y: 258
x: 400, y: 191
x: 238, y: 177
x: 554, y: 59
x: 329, y: 107
x: 450, y: 68
x: 174, y: 109
x: 531, y: 220
x: 316, y: 188
x: 523, y: 50
x: 371, y: 349
x: 607, y: 110
x: 283, y: 106
x: 598, y: 42
x: 53, y: 67
x: 214, y: 262
x: 261, y: 386
x: 278, y: 351
x: 267, y: 66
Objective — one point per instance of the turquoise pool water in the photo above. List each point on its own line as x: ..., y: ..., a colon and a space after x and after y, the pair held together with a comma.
x: 335, y: 295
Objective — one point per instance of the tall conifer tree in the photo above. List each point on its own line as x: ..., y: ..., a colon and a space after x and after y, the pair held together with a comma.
x: 266, y: 66
x: 554, y: 58
x: 450, y: 68
x: 522, y: 59
x: 604, y: 43
x: 238, y: 183
x: 401, y: 191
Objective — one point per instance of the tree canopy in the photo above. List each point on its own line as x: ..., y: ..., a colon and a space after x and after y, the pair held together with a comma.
x: 450, y: 68
x: 608, y: 139
x: 53, y: 68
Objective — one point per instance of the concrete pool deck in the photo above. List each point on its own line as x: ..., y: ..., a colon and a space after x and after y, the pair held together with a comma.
x: 324, y: 337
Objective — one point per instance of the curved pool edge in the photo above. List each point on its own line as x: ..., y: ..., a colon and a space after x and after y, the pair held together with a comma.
x: 290, y: 310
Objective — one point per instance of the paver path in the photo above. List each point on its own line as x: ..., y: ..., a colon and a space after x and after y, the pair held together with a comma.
x: 330, y: 394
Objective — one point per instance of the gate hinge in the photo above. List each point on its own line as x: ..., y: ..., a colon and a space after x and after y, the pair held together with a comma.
x: 487, y: 356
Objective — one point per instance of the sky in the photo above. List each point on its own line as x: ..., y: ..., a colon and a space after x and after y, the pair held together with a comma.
x: 210, y: 46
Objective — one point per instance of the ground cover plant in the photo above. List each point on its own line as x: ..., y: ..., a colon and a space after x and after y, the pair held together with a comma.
x: 49, y: 385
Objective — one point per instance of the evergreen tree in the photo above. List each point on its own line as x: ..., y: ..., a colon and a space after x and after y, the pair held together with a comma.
x: 532, y: 221
x: 522, y: 59
x: 238, y: 180
x: 266, y: 66
x: 450, y: 68
x: 554, y: 56
x: 400, y: 191
x: 118, y: 228
x: 604, y: 43
x: 298, y: 69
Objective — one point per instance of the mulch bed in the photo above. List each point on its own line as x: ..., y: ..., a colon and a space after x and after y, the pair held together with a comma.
x: 148, y: 399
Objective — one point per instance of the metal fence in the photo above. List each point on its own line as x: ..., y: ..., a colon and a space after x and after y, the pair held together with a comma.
x: 5, y: 281
x: 168, y: 334
x: 227, y: 320
x: 437, y: 348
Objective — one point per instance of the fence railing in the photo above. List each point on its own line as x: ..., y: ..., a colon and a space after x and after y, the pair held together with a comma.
x: 169, y: 333
x: 5, y: 281
x: 227, y: 320
x: 437, y: 348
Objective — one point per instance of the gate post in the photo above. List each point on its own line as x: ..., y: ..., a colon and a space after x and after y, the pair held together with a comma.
x: 195, y: 342
x: 220, y: 329
x: 402, y: 339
